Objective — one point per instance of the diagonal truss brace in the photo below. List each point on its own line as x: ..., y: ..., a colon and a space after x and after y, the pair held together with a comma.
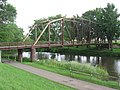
x: 45, y: 30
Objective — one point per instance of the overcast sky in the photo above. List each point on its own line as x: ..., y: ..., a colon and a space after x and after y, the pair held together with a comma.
x: 30, y: 10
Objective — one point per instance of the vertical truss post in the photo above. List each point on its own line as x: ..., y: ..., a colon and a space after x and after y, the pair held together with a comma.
x: 62, y: 31
x: 35, y: 34
x: 49, y: 35
x: 82, y: 32
x: 89, y: 32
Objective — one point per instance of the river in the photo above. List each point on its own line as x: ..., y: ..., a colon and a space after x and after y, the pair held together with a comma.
x: 111, y: 64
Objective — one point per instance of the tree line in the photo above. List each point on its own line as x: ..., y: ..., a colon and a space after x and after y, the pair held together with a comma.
x: 108, y: 26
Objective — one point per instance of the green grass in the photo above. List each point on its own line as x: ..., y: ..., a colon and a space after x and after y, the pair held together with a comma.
x: 66, y: 72
x: 15, y: 79
x: 83, y: 50
x: 73, y: 65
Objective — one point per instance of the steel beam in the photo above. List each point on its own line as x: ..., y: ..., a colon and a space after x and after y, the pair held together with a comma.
x: 62, y: 30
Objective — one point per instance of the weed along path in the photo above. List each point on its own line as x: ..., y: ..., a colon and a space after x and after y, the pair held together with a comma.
x: 77, y: 84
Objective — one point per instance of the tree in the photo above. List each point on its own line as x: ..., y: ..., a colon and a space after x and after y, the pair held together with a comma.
x: 16, y: 31
x: 110, y: 22
x: 5, y: 35
x: 7, y: 13
x: 9, y: 31
x: 96, y: 16
x: 108, y: 25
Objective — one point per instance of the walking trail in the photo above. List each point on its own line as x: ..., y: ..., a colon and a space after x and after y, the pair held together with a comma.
x: 68, y: 81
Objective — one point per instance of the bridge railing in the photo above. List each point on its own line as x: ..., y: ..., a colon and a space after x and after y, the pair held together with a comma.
x: 16, y: 43
x: 5, y: 44
x: 46, y: 43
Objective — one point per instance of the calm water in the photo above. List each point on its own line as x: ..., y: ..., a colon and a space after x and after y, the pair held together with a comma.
x: 112, y: 65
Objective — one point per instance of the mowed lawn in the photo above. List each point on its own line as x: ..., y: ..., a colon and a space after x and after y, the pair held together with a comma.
x: 15, y: 79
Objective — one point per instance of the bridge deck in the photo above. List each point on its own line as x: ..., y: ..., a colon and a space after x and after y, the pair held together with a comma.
x: 10, y: 46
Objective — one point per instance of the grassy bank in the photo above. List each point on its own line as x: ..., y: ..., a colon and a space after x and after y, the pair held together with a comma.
x: 15, y: 79
x: 83, y: 50
x: 64, y: 69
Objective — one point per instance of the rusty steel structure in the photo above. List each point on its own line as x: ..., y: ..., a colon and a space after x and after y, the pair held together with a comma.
x: 57, y: 33
x: 64, y: 31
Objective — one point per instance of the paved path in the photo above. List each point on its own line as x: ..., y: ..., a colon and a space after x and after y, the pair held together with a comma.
x: 68, y: 81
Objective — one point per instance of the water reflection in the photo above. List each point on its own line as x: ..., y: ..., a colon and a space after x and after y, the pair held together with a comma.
x: 26, y: 54
x: 112, y: 65
x: 117, y: 66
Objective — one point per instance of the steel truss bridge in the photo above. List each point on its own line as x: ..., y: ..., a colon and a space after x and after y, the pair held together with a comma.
x: 57, y: 33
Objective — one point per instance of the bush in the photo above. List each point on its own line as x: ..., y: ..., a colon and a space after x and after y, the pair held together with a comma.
x: 25, y: 59
x: 96, y: 72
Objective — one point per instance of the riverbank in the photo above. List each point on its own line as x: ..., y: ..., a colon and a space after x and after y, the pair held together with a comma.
x: 80, y: 50
x: 83, y: 50
x: 59, y: 67
x: 65, y: 80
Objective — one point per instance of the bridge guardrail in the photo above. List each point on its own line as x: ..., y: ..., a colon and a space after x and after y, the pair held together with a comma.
x: 11, y: 45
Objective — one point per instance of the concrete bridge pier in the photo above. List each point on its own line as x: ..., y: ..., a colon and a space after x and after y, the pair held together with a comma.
x: 20, y: 51
x: 33, y: 54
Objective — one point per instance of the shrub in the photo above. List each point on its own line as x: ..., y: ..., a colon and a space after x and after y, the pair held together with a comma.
x: 96, y: 72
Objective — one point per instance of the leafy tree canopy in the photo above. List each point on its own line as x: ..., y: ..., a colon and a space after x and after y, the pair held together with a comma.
x: 7, y: 13
x: 108, y: 25
x: 9, y: 31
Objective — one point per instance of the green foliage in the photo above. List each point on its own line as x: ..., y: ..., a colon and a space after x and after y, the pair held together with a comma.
x: 10, y: 33
x: 87, y: 68
x: 91, y: 51
x: 25, y: 59
x: 17, y: 32
x: 61, y: 70
x: 110, y: 21
x: 7, y: 13
x: 16, y: 79
x: 108, y: 25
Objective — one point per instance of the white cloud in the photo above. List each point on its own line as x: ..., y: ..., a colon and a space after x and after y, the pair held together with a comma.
x: 30, y: 10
